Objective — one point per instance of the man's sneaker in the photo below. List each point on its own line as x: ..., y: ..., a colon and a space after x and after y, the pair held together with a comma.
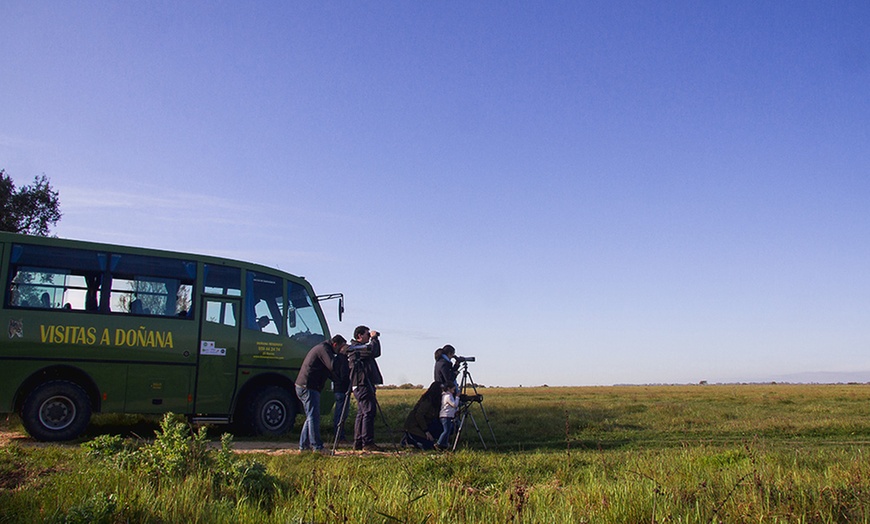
x: 372, y: 447
x: 326, y: 452
x: 357, y: 446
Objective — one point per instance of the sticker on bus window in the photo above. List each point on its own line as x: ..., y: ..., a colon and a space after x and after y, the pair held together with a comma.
x: 206, y: 347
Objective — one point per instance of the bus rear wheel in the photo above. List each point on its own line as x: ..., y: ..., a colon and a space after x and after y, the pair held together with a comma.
x: 272, y: 411
x: 56, y: 410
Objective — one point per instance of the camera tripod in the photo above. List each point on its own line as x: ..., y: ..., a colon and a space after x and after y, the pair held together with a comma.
x: 355, y: 371
x: 464, y: 410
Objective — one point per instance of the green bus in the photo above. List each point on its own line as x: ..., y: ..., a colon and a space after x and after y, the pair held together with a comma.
x: 100, y: 328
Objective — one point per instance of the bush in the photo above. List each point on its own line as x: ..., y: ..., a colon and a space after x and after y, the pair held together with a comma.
x: 111, y: 448
x: 177, y: 453
x: 98, y: 509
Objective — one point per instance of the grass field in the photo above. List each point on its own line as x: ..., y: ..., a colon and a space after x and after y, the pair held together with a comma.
x: 742, y: 453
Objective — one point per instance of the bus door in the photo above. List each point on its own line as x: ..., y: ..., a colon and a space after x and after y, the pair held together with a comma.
x: 218, y: 355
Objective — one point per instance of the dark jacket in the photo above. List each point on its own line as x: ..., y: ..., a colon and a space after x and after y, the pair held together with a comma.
x: 425, y: 412
x: 363, y: 367
x: 341, y: 372
x: 317, y: 367
x: 445, y: 371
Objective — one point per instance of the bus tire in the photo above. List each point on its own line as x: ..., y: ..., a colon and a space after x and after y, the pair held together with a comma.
x: 56, y: 410
x: 272, y: 411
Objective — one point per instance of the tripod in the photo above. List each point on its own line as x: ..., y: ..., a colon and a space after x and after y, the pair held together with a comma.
x: 465, y: 403
x: 356, y: 371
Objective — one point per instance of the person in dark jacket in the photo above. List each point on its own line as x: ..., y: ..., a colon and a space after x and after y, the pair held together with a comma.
x: 422, y: 423
x: 445, y: 369
x: 318, y: 366
x: 364, y: 376
x: 341, y: 389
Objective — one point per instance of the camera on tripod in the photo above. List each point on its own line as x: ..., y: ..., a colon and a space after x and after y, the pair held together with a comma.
x: 465, y: 359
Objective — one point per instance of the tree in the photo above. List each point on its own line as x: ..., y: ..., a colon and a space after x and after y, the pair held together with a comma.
x: 33, y: 209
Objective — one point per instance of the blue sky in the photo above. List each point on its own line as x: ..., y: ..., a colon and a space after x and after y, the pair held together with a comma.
x: 575, y: 193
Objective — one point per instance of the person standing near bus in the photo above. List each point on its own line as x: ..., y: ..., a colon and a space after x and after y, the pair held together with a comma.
x: 341, y: 389
x: 364, y: 376
x: 319, y: 365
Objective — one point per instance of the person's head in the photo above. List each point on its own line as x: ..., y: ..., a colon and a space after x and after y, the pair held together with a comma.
x: 362, y: 334
x: 449, y: 351
x: 438, y: 354
x: 338, y: 342
x: 448, y: 388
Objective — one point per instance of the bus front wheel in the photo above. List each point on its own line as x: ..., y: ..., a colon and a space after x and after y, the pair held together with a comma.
x: 272, y: 411
x: 56, y: 410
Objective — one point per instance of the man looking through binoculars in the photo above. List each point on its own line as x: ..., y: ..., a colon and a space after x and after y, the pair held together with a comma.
x: 364, y: 376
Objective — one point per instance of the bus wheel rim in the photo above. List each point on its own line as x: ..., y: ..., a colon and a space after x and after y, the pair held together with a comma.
x: 57, y: 412
x: 273, y: 414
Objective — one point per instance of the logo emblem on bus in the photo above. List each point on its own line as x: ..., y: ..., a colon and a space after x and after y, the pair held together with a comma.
x: 16, y: 328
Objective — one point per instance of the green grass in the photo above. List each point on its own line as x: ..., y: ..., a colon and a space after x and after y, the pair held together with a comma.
x: 771, y: 453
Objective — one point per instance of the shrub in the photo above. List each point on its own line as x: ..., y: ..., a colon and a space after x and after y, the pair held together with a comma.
x: 178, y: 453
x: 98, y: 509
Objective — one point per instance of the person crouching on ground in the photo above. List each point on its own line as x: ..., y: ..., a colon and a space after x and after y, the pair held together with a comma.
x: 422, y: 423
x: 449, y: 403
x: 319, y: 364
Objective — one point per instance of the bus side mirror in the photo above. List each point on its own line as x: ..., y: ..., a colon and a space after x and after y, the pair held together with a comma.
x: 340, y: 297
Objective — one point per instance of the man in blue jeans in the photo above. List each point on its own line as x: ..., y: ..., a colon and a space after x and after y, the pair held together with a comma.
x: 319, y: 365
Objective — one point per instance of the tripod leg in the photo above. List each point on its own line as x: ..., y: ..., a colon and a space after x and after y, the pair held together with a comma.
x: 345, y: 407
x: 477, y: 428
x: 486, y: 418
x: 459, y: 429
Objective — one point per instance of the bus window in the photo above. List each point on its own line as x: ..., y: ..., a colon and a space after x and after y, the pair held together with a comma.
x: 54, y: 277
x: 44, y: 288
x: 264, y: 300
x: 156, y: 286
x: 222, y: 280
x: 302, y: 321
x: 220, y: 312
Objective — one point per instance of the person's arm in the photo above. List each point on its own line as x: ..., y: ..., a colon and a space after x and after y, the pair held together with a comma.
x: 327, y: 358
